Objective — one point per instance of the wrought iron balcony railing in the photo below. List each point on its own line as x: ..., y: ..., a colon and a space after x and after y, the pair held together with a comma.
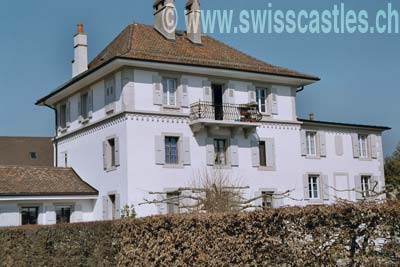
x: 225, y: 112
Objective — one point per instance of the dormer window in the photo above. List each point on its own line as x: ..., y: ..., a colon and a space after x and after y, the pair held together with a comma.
x: 169, y: 91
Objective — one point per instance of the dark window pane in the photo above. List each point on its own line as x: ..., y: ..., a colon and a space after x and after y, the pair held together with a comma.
x: 171, y: 150
x: 29, y: 215
x: 263, y: 157
x: 63, y: 214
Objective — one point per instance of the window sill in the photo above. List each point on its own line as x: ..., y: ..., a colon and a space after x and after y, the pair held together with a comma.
x: 222, y: 167
x: 315, y: 202
x: 313, y: 157
x: 84, y: 120
x: 365, y: 159
x: 63, y: 130
x: 110, y: 108
x: 173, y: 166
x: 175, y: 108
x: 266, y: 169
x: 111, y: 169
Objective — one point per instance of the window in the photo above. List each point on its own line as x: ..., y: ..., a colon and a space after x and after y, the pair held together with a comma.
x: 29, y: 215
x: 220, y: 152
x: 363, y: 142
x: 267, y: 200
x: 33, y: 155
x: 113, y: 206
x: 169, y: 92
x: 311, y: 139
x: 261, y: 98
x: 171, y: 150
x: 111, y: 144
x: 173, y: 202
x: 366, y: 186
x: 313, y: 186
x: 63, y: 214
x: 84, y: 105
x: 263, y: 154
x: 63, y: 115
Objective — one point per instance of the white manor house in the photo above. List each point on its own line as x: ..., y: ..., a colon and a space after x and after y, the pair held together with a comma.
x: 155, y: 107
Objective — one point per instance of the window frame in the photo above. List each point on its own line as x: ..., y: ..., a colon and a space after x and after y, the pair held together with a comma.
x: 225, y: 152
x: 173, y: 208
x: 84, y: 105
x: 36, y: 207
x: 56, y: 207
x: 363, y: 142
x: 63, y: 115
x: 177, y: 148
x: 312, y: 137
x: 112, y: 152
x: 366, y: 186
x: 260, y: 89
x: 312, y: 185
x: 110, y: 82
x: 33, y: 155
x: 167, y: 91
x: 262, y: 154
x: 264, y: 195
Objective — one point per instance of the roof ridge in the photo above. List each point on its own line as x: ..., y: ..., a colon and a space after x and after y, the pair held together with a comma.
x: 36, y: 167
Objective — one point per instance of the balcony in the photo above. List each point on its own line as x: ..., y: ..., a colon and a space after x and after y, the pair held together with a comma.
x: 208, y: 114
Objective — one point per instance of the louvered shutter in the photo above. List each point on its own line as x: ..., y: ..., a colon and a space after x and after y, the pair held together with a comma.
x: 105, y: 155
x: 210, y: 152
x: 274, y: 101
x: 160, y: 150
x: 230, y: 94
x: 234, y: 152
x: 68, y: 113
x: 270, y: 145
x: 80, y: 107
x: 325, y: 187
x: 372, y: 140
x: 207, y: 91
x: 322, y: 143
x: 255, y: 152
x: 358, y: 188
x: 252, y: 93
x: 185, y: 93
x: 306, y: 186
x: 356, y: 145
x: 117, y: 152
x: 186, y: 151
x: 105, y: 208
x: 303, y: 142
x: 117, y: 206
x: 339, y: 145
x: 90, y: 104
x: 157, y: 90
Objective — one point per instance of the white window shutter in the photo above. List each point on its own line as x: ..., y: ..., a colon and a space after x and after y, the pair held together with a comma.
x: 372, y: 141
x: 252, y: 93
x: 325, y: 187
x: 230, y: 94
x: 105, y: 155
x: 306, y: 187
x: 79, y: 107
x: 186, y: 151
x: 356, y: 145
x: 271, y: 158
x: 68, y: 113
x: 185, y: 93
x: 117, y: 152
x: 255, y: 152
x: 375, y: 184
x: 274, y: 101
x: 339, y: 145
x: 160, y: 150
x: 50, y: 214
x: 303, y: 142
x: 78, y: 214
x: 357, y: 187
x: 210, y: 152
x: 234, y: 153
x: 117, y: 206
x: 207, y: 91
x: 105, y: 208
x: 90, y: 103
x: 322, y: 143
x: 157, y: 90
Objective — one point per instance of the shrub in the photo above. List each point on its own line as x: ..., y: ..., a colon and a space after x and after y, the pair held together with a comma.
x: 345, y: 234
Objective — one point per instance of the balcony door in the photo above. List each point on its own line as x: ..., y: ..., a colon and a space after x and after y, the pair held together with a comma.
x: 218, y: 96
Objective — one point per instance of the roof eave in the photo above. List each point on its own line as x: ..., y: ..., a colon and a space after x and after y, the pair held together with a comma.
x: 345, y: 125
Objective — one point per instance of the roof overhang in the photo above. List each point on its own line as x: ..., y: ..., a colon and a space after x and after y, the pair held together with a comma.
x: 312, y: 123
x: 89, y: 77
x: 47, y: 197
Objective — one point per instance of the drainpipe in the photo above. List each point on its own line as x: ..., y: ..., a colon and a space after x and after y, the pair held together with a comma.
x: 56, y: 144
x: 299, y: 89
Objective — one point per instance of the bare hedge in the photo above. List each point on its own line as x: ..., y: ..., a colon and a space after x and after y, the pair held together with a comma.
x: 347, y: 235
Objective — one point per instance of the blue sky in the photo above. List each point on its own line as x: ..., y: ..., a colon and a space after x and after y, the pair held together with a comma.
x: 360, y: 73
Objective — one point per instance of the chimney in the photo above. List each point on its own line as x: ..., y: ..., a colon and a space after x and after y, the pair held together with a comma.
x: 193, y: 21
x: 312, y: 116
x: 164, y: 18
x: 80, y: 62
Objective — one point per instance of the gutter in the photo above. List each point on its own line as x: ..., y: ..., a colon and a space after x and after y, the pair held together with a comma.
x: 55, y: 140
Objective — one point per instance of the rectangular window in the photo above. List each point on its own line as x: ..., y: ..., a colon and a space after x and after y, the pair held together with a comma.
x: 311, y: 138
x: 63, y: 214
x: 263, y: 154
x: 33, y: 155
x: 261, y: 98
x: 171, y: 150
x: 363, y: 142
x: 267, y: 200
x: 29, y: 215
x: 313, y: 186
x: 366, y: 186
x: 169, y: 92
x: 110, y: 90
x: 63, y: 115
x: 173, y: 202
x: 84, y: 105
x: 111, y: 144
x: 220, y: 148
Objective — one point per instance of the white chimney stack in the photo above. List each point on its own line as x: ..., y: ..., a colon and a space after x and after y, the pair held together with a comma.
x: 80, y: 62
x: 193, y: 21
x: 164, y: 18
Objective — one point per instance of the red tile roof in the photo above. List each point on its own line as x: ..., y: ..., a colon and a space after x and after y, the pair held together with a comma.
x: 142, y: 42
x: 42, y: 181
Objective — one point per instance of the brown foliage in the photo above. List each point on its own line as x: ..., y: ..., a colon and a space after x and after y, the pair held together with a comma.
x: 345, y: 234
